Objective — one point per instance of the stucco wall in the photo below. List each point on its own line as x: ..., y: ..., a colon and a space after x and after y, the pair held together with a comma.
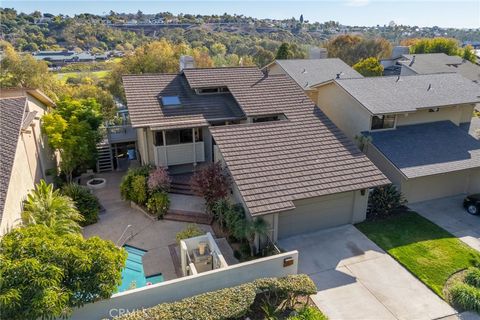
x: 456, y: 114
x: 474, y: 184
x: 382, y: 163
x: 275, y: 69
x: 33, y: 158
x: 436, y: 186
x: 141, y: 144
x: 318, y: 213
x: 348, y: 114
x: 188, y: 286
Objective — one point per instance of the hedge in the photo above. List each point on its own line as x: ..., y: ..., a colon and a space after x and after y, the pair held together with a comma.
x: 229, y: 303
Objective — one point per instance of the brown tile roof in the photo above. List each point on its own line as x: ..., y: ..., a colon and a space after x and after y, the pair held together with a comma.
x: 272, y: 163
x: 275, y: 163
x: 143, y: 91
x: 12, y: 111
x: 218, y: 77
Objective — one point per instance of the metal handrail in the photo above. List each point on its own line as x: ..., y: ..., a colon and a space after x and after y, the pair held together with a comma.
x: 123, y: 233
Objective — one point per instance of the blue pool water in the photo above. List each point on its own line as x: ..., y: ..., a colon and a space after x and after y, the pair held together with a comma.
x: 133, y: 275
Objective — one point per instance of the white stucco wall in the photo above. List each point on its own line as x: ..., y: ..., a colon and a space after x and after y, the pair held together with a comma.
x: 180, y: 288
x: 347, y: 113
x: 456, y: 114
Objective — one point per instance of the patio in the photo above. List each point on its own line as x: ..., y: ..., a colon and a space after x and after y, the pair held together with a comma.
x: 148, y: 233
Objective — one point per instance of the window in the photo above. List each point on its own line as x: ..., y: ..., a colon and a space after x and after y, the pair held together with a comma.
x: 158, y: 138
x: 212, y: 90
x: 186, y: 136
x: 265, y: 119
x: 181, y: 136
x: 383, y: 122
x: 171, y: 101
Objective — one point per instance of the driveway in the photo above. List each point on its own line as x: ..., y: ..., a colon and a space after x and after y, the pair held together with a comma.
x: 358, y: 280
x: 449, y: 214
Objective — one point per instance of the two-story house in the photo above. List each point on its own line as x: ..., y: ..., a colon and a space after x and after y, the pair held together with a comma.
x: 288, y: 162
x: 25, y: 157
x: 418, y: 126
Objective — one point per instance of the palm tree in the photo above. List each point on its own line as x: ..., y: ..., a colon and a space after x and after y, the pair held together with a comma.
x: 248, y: 229
x: 48, y: 207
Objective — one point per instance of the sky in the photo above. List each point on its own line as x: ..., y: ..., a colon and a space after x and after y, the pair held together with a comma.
x: 443, y: 13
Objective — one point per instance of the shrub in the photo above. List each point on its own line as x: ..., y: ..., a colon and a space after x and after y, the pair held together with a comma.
x: 158, y: 204
x: 139, y: 189
x: 465, y: 296
x: 85, y: 202
x: 212, y: 183
x: 126, y: 189
x: 230, y: 303
x: 159, y: 180
x: 384, y: 200
x: 473, y: 277
x: 309, y: 313
x: 192, y: 230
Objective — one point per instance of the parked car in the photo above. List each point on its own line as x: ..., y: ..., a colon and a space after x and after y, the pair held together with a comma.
x: 472, y: 204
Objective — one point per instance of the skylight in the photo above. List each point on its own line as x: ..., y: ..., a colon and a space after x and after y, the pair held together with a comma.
x: 170, y: 101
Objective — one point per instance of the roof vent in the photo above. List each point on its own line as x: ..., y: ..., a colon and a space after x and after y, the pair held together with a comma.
x: 339, y: 74
x: 429, y: 87
x: 304, y: 70
x: 412, y: 61
x: 398, y: 79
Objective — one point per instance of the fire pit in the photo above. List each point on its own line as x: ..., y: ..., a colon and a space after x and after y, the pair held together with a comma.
x: 96, y: 183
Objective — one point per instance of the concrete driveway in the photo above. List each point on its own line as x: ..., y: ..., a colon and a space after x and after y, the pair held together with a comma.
x: 358, y: 280
x: 449, y: 214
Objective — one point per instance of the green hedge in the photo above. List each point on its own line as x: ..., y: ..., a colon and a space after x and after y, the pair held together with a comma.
x: 86, y: 202
x: 229, y: 303
x: 473, y: 277
x: 465, y: 296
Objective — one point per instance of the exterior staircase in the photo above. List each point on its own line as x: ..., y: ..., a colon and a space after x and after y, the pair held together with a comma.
x: 181, y: 185
x: 104, y: 161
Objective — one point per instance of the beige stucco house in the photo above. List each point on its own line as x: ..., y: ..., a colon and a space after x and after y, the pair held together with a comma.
x: 418, y: 126
x: 289, y: 163
x: 25, y: 157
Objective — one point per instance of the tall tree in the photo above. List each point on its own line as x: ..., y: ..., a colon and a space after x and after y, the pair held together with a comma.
x: 45, y: 275
x: 72, y: 130
x: 284, y: 52
x: 353, y: 48
x: 449, y: 46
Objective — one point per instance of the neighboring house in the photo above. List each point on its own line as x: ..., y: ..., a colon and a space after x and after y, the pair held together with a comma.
x: 308, y: 73
x: 419, y: 129
x: 431, y: 63
x: 25, y: 157
x: 289, y: 163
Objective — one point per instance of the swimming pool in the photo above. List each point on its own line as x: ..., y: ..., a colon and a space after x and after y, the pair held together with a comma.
x: 133, y: 275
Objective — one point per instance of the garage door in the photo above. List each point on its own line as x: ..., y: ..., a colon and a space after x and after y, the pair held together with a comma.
x: 316, y: 214
x: 436, y: 186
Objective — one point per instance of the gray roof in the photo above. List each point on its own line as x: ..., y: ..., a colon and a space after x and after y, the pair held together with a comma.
x: 430, y: 63
x: 309, y: 72
x: 381, y: 95
x: 143, y: 93
x: 12, y: 112
x: 428, y: 148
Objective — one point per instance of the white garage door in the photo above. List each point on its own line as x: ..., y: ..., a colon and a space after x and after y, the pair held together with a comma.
x: 316, y: 214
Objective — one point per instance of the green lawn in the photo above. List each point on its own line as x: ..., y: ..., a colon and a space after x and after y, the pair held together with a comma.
x: 98, y: 74
x: 426, y: 250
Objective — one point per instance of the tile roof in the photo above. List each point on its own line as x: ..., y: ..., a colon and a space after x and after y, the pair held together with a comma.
x: 428, y: 148
x: 143, y: 91
x: 218, y: 77
x: 12, y: 111
x: 275, y: 163
x: 441, y: 63
x: 408, y: 93
x: 272, y: 163
x: 309, y: 72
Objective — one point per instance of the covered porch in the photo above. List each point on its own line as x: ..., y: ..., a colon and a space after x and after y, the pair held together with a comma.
x: 168, y: 147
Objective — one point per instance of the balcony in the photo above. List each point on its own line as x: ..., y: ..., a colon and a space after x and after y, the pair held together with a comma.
x: 123, y: 133
x: 182, y: 153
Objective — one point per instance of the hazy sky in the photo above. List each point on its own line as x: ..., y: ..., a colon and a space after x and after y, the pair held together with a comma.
x: 461, y: 14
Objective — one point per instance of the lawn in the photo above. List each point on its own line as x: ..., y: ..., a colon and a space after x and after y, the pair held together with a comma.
x: 429, y: 252
x: 98, y: 74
